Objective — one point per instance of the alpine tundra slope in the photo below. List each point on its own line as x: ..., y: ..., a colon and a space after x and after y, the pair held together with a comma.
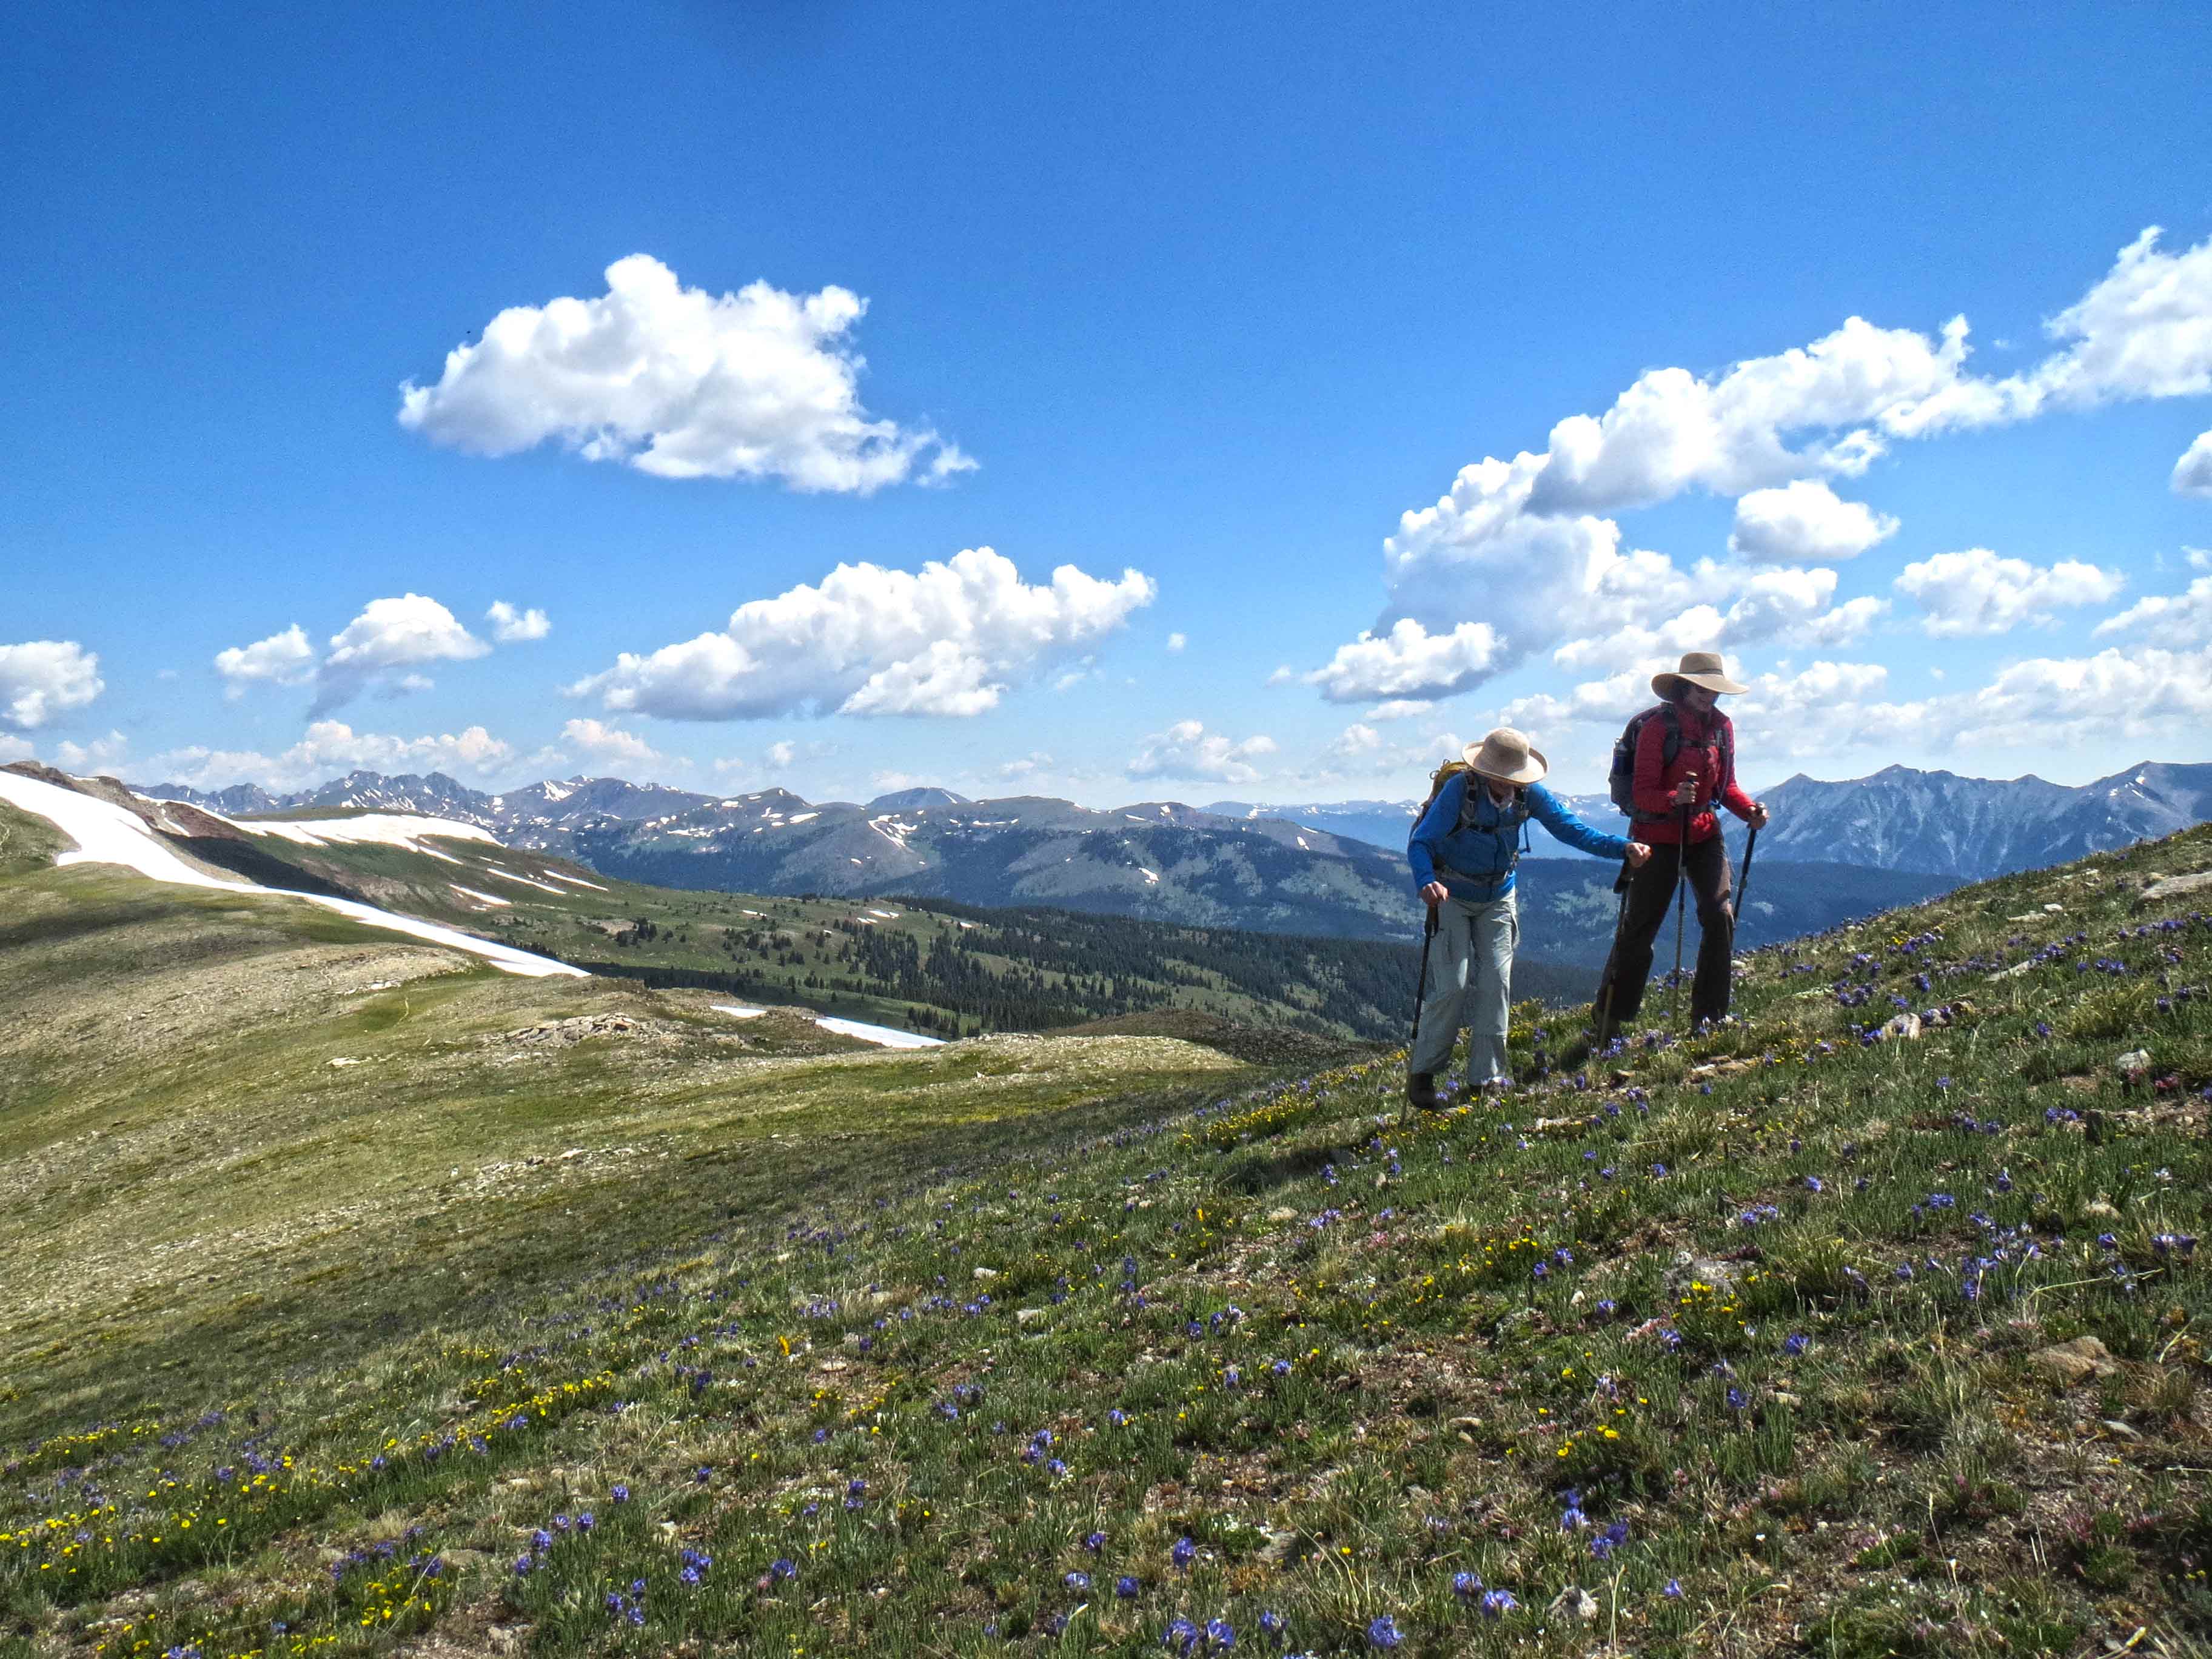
x: 364, y: 1299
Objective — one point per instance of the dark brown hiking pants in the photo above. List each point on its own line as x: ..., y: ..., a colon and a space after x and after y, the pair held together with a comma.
x: 1651, y: 895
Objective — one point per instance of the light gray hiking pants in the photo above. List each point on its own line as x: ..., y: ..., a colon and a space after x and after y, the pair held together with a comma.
x: 1470, y: 984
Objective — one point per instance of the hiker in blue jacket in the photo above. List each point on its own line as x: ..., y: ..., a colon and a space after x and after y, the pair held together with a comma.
x: 1463, y: 852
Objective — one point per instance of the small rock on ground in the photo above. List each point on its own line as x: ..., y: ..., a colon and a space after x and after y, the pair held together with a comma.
x: 2069, y: 1363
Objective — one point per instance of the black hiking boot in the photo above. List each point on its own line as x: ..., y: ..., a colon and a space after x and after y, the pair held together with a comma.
x: 1421, y: 1090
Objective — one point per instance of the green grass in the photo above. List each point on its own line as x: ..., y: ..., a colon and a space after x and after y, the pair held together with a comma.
x: 27, y: 842
x: 1265, y: 1317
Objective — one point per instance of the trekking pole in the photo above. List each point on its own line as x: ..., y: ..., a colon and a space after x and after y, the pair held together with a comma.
x: 1421, y: 996
x: 1750, y: 846
x: 1613, y: 958
x: 1681, y: 859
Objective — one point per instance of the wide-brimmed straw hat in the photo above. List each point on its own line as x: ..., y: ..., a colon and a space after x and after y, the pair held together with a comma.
x: 1702, y: 668
x: 1506, y: 756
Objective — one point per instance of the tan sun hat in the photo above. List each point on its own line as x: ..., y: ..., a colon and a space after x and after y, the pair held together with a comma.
x: 1506, y: 756
x: 1701, y: 668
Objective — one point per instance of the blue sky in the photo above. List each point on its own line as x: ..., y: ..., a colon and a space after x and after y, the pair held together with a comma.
x: 1196, y: 308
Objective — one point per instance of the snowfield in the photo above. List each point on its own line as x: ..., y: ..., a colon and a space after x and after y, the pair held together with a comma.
x: 106, y: 834
x: 386, y: 828
x: 886, y: 1035
x: 506, y: 874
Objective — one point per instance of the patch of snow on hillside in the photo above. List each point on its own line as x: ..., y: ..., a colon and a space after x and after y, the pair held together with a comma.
x: 106, y: 834
x: 471, y: 892
x: 510, y: 875
x: 577, y: 880
x: 887, y: 1036
x: 379, y: 829
x: 888, y: 915
x: 557, y: 791
x: 1148, y: 875
x: 797, y: 817
x: 1302, y: 843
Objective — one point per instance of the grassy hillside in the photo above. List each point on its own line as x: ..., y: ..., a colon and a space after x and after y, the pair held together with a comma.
x: 1779, y: 1339
x: 1569, y: 907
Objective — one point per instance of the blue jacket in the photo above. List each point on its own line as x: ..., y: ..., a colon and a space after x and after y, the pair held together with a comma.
x: 1476, y: 863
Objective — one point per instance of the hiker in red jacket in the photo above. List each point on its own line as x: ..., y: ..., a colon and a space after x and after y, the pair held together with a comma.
x: 1700, y: 776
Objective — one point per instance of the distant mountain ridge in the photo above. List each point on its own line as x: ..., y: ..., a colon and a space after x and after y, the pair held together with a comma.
x: 1971, y: 829
x: 1156, y: 861
x: 1325, y: 868
x: 1924, y: 823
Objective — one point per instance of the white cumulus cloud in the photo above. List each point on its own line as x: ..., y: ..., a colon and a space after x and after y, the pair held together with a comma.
x: 1796, y: 607
x: 40, y: 678
x: 1407, y: 662
x: 1186, y: 749
x: 2145, y: 330
x: 1976, y: 591
x: 1521, y: 544
x: 1772, y: 606
x: 83, y: 759
x: 1672, y: 430
x: 2172, y: 619
x: 1805, y: 522
x: 679, y: 383
x: 2143, y: 693
x: 510, y: 626
x: 948, y: 639
x: 1354, y: 740
x: 330, y: 749
x: 2192, y: 473
x: 600, y: 741
x: 1177, y: 641
x: 285, y: 659
x: 383, y: 645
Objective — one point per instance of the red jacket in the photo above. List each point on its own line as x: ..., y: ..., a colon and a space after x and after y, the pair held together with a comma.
x: 1659, y: 820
